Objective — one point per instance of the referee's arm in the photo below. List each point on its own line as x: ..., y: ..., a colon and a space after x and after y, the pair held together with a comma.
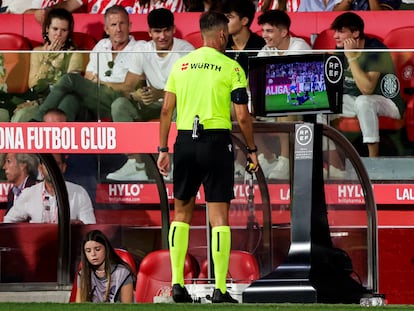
x: 246, y: 126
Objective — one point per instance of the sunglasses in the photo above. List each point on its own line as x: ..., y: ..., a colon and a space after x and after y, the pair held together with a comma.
x: 108, y: 73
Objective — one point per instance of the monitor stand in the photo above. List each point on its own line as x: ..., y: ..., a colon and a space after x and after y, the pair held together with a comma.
x: 313, y: 271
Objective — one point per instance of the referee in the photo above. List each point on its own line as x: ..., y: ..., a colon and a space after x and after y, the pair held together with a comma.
x: 202, y: 86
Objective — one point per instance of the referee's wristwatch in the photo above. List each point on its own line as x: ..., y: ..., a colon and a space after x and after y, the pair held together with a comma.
x: 163, y: 149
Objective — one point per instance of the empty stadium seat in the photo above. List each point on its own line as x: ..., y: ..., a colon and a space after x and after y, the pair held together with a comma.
x: 194, y: 38
x: 125, y: 256
x: 243, y: 268
x: 154, y: 276
x: 14, y: 42
x: 16, y: 64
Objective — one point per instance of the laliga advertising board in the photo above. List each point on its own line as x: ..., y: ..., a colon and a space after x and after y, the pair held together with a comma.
x: 77, y: 137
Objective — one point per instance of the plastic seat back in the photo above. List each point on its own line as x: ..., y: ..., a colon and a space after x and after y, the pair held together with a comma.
x: 125, y: 256
x: 14, y: 42
x: 195, y: 39
x: 324, y: 40
x: 83, y: 41
x: 17, y: 65
x: 154, y: 276
x: 140, y: 35
x: 404, y: 68
x: 243, y: 268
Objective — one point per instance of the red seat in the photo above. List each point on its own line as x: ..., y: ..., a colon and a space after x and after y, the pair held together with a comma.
x: 125, y: 256
x: 346, y: 124
x: 324, y: 40
x: 14, y: 42
x: 83, y: 41
x: 154, y: 276
x: 140, y: 35
x: 194, y: 38
x: 17, y: 64
x: 404, y: 68
x: 243, y: 268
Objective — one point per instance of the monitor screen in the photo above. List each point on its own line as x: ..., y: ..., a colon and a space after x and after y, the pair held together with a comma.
x: 296, y: 84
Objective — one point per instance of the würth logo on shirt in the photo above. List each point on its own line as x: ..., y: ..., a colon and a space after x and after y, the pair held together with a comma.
x: 205, y: 66
x: 184, y: 66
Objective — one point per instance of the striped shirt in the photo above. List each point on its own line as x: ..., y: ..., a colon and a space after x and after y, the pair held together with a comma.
x: 172, y: 5
x: 291, y: 5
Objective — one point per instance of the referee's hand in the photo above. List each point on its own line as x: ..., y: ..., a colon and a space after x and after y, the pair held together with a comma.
x: 163, y: 163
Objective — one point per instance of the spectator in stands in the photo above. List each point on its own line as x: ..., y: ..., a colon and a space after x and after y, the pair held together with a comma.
x: 149, y: 70
x: 85, y: 6
x: 21, y: 171
x: 146, y: 6
x: 284, y: 5
x: 202, y: 5
x: 80, y: 168
x: 241, y: 14
x: 38, y: 203
x: 148, y: 73
x: 24, y: 6
x: 370, y: 87
x: 48, y: 66
x: 366, y: 5
x: 316, y: 5
x: 104, y: 276
x: 276, y: 32
x: 106, y: 66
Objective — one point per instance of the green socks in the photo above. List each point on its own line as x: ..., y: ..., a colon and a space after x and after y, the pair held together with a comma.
x: 178, y: 240
x: 220, y: 249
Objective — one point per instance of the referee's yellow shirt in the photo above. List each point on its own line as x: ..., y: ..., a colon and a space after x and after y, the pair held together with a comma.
x: 202, y: 82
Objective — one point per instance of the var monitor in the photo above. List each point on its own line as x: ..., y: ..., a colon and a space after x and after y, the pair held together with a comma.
x: 296, y: 84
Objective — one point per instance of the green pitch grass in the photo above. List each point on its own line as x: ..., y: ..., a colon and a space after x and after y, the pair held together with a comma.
x: 279, y: 102
x: 188, y: 307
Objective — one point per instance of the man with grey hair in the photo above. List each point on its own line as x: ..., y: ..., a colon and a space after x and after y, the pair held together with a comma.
x: 21, y: 171
x: 104, y: 77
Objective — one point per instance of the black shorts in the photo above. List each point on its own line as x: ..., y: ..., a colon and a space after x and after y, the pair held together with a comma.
x: 209, y: 161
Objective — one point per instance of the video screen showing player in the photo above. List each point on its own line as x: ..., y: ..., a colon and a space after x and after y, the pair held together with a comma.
x: 290, y: 85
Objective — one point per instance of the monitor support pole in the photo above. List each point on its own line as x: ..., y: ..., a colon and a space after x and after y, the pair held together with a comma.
x: 313, y: 270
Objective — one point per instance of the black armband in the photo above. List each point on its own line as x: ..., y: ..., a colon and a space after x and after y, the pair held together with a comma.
x: 239, y: 96
x: 249, y: 150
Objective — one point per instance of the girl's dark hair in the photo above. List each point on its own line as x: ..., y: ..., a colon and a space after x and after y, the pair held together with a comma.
x: 63, y: 15
x: 111, y: 259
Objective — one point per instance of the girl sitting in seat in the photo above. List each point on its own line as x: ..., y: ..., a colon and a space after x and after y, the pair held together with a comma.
x: 104, y: 276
